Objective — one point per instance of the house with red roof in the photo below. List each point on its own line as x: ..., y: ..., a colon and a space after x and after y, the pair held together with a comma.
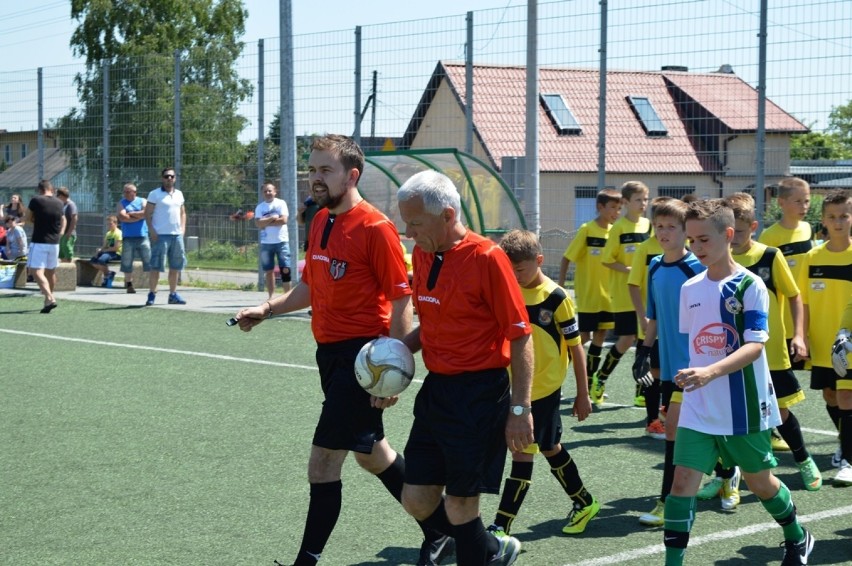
x: 677, y: 131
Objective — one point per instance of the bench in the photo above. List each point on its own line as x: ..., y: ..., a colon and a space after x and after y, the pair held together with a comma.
x: 88, y: 276
x: 66, y: 277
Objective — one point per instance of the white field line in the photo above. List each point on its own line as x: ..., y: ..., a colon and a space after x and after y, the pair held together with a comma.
x: 713, y: 537
x: 157, y: 349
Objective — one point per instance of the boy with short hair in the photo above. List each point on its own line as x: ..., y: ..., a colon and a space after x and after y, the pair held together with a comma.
x: 625, y: 235
x: 826, y: 286
x: 728, y: 402
x: 591, y: 278
x: 637, y: 286
x: 794, y: 237
x: 16, y: 240
x: 110, y: 251
x: 556, y: 340
x: 666, y: 275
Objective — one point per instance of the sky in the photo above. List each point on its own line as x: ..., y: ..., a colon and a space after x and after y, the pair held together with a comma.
x: 36, y: 33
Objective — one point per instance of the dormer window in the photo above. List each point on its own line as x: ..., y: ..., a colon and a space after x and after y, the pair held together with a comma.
x: 561, y: 116
x: 647, y: 116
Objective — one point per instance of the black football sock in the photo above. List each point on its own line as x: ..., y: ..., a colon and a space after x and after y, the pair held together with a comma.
x: 565, y: 471
x: 472, y: 543
x: 668, y: 470
x: 392, y: 478
x: 593, y: 360
x: 611, y: 361
x: 515, y: 489
x: 846, y: 433
x: 834, y: 415
x: 652, y: 401
x: 323, y: 511
x: 791, y: 432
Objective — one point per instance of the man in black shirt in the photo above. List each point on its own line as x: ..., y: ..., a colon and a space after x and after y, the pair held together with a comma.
x: 48, y: 220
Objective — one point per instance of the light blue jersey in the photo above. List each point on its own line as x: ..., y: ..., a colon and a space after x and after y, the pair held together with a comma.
x: 664, y: 283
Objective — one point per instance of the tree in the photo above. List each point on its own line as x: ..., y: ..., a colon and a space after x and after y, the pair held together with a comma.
x: 840, y: 124
x: 817, y: 145
x: 138, y: 40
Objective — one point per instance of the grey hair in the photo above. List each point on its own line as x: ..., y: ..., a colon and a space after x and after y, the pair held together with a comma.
x: 437, y: 191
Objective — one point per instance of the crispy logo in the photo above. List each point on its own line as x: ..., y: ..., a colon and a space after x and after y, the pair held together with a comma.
x: 715, y: 339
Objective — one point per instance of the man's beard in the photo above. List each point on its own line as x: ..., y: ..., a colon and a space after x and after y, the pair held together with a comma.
x: 326, y: 200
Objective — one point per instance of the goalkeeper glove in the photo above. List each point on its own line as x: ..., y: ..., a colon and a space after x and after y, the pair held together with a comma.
x: 642, y: 366
x: 839, y: 350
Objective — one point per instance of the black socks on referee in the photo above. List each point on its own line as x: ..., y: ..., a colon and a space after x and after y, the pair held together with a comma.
x: 323, y: 511
x: 392, y: 478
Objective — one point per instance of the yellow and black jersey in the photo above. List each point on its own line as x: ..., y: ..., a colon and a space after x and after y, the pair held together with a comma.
x: 826, y: 284
x: 647, y: 250
x: 794, y: 244
x: 554, y: 324
x: 624, y: 238
x: 591, y: 278
x: 768, y: 264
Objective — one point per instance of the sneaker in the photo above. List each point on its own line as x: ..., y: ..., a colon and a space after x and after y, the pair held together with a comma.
x: 579, y: 517
x: 843, y: 478
x: 508, y: 552
x: 711, y: 489
x: 639, y: 401
x: 432, y: 552
x: 597, y: 390
x: 656, y: 429
x: 837, y: 457
x: 731, y: 491
x: 151, y: 297
x: 496, y: 530
x: 130, y: 289
x: 655, y: 517
x: 175, y: 299
x: 109, y: 279
x: 796, y: 553
x: 778, y: 443
x: 810, y: 474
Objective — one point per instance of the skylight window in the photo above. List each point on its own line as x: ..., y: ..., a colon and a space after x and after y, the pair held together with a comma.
x: 561, y: 116
x: 648, y: 116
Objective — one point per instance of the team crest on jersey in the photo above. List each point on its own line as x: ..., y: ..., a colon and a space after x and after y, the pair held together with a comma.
x: 764, y: 273
x: 716, y: 339
x: 337, y: 268
x: 733, y: 305
x: 545, y: 317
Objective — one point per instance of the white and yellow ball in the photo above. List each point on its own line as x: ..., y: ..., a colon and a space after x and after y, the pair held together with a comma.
x: 384, y: 367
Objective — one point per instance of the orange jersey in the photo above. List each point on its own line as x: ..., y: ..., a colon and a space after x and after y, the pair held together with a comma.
x: 355, y: 276
x: 473, y: 310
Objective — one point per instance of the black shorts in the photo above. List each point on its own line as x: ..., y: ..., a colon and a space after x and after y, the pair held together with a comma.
x: 458, y: 438
x: 547, y: 422
x: 655, y: 355
x: 347, y: 421
x: 800, y: 365
x: 667, y: 390
x: 822, y: 378
x: 626, y: 323
x: 787, y: 388
x: 593, y: 321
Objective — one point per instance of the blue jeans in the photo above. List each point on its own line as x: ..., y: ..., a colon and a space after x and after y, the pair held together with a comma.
x: 133, y: 248
x: 168, y: 246
x: 268, y: 253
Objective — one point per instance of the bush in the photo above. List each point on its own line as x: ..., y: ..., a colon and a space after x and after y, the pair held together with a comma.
x: 813, y: 217
x: 218, y: 250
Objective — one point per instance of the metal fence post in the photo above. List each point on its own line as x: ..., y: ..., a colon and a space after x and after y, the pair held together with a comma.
x: 602, y: 100
x: 287, y: 119
x: 40, y: 125
x: 759, y: 180
x: 531, y: 143
x: 356, y: 132
x: 105, y: 133
x: 177, y: 163
x: 468, y: 77
x: 261, y: 156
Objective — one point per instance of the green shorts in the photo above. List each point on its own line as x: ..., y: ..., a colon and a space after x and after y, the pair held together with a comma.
x: 66, y: 247
x: 700, y: 451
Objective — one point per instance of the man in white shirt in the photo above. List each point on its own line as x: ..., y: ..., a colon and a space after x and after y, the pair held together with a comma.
x: 165, y: 216
x: 270, y: 217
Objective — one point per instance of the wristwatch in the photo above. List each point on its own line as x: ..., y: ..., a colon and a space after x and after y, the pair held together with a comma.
x: 520, y: 410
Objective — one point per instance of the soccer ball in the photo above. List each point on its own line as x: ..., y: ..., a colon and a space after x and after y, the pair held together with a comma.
x: 384, y: 367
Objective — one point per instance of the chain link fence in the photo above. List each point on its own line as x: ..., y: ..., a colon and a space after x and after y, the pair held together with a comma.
x: 678, y: 82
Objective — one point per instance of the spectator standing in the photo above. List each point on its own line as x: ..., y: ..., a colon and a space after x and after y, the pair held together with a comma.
x: 354, y: 272
x: 69, y: 235
x: 134, y: 230
x: 48, y: 220
x: 473, y: 324
x: 14, y: 208
x: 270, y: 217
x: 165, y: 215
x: 307, y: 211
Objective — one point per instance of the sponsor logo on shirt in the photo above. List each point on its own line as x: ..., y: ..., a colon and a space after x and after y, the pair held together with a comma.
x: 595, y: 251
x: 318, y: 257
x: 429, y: 299
x: 716, y: 339
x: 337, y: 269
x: 818, y: 285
